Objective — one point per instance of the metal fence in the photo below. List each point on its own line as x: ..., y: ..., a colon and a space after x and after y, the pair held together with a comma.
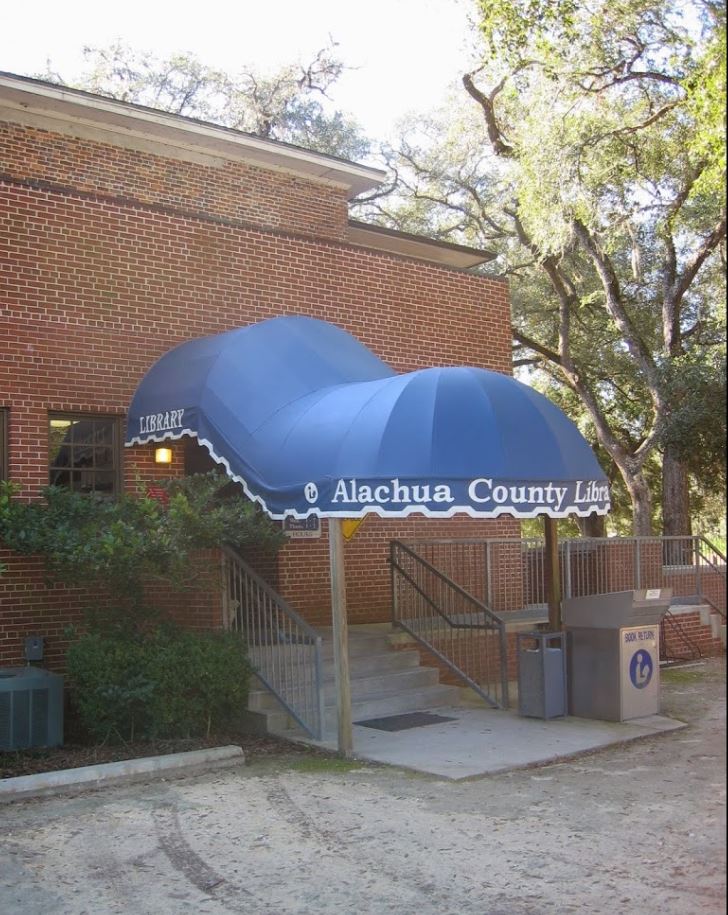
x: 284, y: 650
x: 510, y: 574
x: 462, y: 633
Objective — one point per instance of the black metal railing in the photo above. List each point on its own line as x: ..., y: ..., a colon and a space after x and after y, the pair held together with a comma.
x: 713, y: 563
x: 510, y: 574
x: 453, y: 625
x: 284, y: 650
x: 675, y: 643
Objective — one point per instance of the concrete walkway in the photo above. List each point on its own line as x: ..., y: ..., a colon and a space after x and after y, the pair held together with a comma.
x: 482, y: 741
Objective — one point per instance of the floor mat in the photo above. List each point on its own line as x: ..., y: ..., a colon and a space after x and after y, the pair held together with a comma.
x: 403, y: 722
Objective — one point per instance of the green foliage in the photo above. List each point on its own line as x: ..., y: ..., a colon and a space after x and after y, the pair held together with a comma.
x: 511, y: 26
x: 591, y: 160
x: 168, y: 682
x: 706, y: 103
x: 121, y: 544
x: 696, y: 424
x: 131, y: 677
x: 290, y: 104
x: 206, y: 510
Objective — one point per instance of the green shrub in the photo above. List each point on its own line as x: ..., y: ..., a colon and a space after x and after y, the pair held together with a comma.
x: 166, y: 683
x: 201, y: 681
x: 126, y: 543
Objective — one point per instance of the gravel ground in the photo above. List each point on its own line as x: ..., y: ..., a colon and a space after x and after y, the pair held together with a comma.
x: 638, y: 828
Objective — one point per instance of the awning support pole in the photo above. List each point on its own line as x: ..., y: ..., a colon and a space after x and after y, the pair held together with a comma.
x: 553, y: 573
x: 341, y: 637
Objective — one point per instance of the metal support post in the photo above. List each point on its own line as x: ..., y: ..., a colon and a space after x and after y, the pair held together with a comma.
x: 553, y: 577
x: 341, y: 637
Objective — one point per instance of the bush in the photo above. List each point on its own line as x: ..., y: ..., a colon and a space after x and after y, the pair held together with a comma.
x: 125, y: 543
x: 167, y: 683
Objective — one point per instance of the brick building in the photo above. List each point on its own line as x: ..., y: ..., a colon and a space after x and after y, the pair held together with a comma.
x: 125, y: 231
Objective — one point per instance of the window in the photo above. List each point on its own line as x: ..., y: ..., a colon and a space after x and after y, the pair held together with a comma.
x: 3, y: 443
x: 84, y: 453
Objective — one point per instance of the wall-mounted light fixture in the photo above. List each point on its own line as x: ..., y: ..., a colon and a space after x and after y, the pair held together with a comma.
x: 162, y: 455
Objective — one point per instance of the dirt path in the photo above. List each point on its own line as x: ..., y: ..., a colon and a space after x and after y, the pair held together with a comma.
x: 634, y: 829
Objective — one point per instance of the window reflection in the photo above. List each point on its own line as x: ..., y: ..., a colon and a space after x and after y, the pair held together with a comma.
x: 83, y: 453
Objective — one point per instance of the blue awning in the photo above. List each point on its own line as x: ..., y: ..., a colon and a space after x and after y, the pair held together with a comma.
x: 310, y: 421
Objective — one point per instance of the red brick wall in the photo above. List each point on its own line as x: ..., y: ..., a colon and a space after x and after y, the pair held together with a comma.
x: 684, y: 634
x: 303, y: 576
x: 29, y: 607
x: 109, y: 257
x: 224, y: 190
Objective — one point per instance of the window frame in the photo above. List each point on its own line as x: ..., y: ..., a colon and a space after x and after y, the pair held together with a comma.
x: 115, y: 446
x: 4, y: 455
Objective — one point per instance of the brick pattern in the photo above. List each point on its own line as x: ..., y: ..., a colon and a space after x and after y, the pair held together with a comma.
x: 108, y: 258
x: 366, y: 560
x: 228, y: 191
x: 682, y: 635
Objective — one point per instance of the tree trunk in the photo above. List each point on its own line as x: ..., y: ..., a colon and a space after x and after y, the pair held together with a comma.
x: 592, y: 526
x: 639, y: 493
x: 676, y: 510
x: 676, y: 521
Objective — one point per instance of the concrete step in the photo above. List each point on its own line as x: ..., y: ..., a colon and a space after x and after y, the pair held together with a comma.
x: 382, y: 662
x: 407, y: 701
x: 359, y: 643
x: 715, y: 623
x: 384, y: 681
x: 410, y: 700
x: 386, y: 659
x: 363, y: 687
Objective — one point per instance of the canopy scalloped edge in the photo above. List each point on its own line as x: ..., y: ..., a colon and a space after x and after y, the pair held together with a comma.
x: 497, y: 512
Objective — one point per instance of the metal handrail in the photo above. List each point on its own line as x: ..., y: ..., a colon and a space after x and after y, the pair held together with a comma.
x: 284, y: 650
x: 423, y: 598
x: 438, y: 573
x: 716, y: 552
x: 720, y: 570
x: 694, y: 650
x: 509, y: 573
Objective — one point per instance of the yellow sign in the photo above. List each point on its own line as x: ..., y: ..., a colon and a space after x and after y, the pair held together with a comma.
x: 349, y: 526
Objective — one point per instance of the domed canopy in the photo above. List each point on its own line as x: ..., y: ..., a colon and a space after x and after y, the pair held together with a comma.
x: 310, y: 421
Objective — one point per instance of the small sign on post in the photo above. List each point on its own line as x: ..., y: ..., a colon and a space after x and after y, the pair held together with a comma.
x: 302, y: 528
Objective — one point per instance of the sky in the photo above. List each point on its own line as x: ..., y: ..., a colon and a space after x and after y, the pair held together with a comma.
x: 406, y: 52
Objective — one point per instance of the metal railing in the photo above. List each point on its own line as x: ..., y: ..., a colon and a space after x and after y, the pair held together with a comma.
x: 460, y: 630
x: 690, y: 566
x: 284, y: 650
x: 510, y: 574
x: 713, y: 562
x: 675, y: 643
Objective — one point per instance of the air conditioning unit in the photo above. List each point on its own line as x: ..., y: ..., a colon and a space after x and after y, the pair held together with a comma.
x: 31, y: 708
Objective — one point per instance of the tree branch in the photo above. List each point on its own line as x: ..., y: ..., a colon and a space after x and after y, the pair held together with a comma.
x: 615, y: 307
x: 684, y: 280
x: 548, y: 354
x: 633, y: 75
x: 487, y: 104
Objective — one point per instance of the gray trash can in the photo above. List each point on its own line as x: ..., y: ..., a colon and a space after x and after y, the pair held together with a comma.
x: 541, y: 674
x: 614, y: 653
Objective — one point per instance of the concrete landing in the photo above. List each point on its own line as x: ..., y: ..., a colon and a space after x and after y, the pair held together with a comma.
x: 483, y: 741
